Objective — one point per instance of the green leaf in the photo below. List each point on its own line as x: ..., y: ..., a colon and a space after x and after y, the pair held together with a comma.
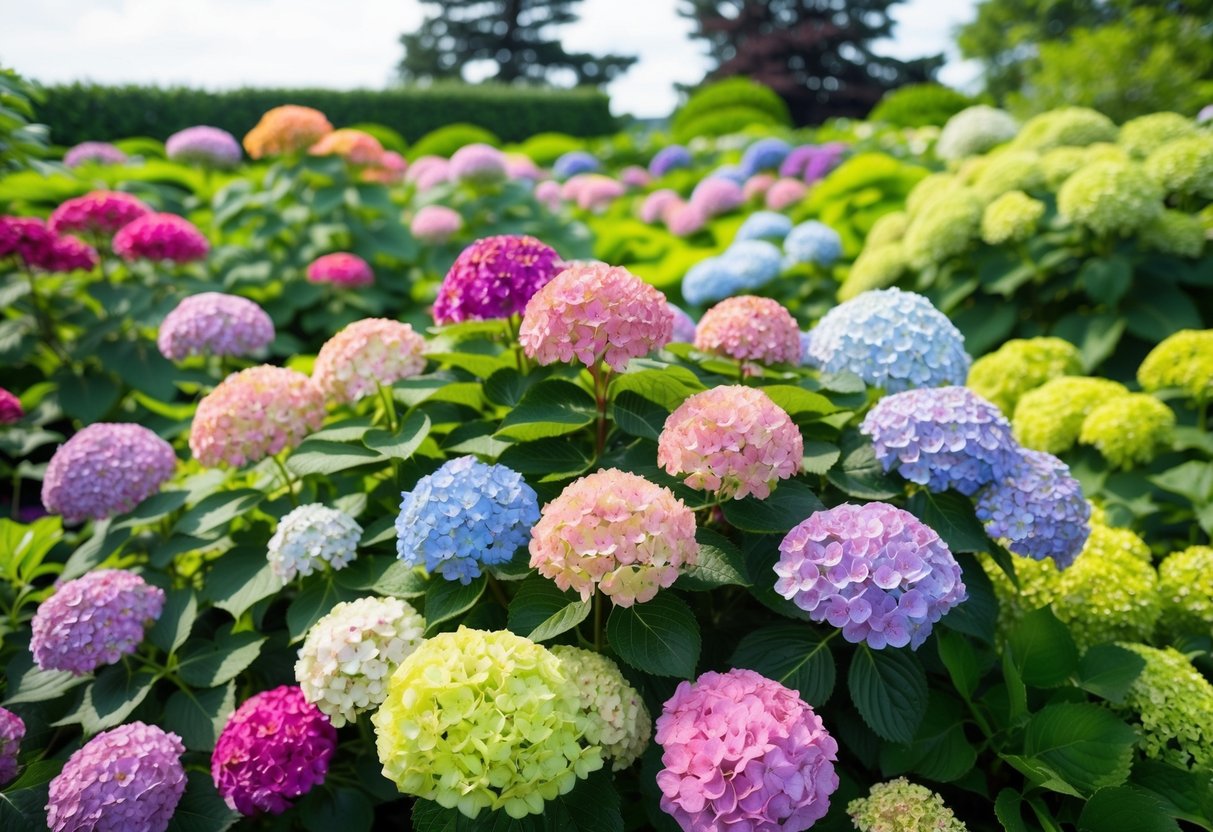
x: 445, y: 599
x: 668, y: 387
x: 1008, y: 809
x: 106, y: 540
x: 109, y: 700
x: 401, y: 581
x: 507, y: 386
x: 1193, y: 480
x: 562, y: 456
x: 720, y: 563
x: 1106, y: 279
x: 637, y: 416
x: 405, y: 442
x: 315, y: 601
x: 1085, y: 745
x: 540, y: 611
x: 858, y: 474
x: 889, y: 689
x: 800, y: 404
x: 1108, y: 671
x: 659, y: 637
x: 1042, y: 649
x: 217, y: 510
x: 977, y: 615
x: 1158, y: 310
x: 790, y: 503
x: 793, y: 655
x: 173, y: 627
x: 198, y: 716
x: 550, y: 408
x: 1095, y: 335
x: 87, y: 398
x: 819, y: 457
x: 959, y: 658
x: 239, y: 579
x: 325, y: 809
x: 206, y: 664
x: 27, y: 683
x: 153, y: 508
x: 201, y: 808
x: 1125, y: 809
x: 940, y: 751
x: 1188, y: 795
x: 951, y: 516
x: 319, y: 456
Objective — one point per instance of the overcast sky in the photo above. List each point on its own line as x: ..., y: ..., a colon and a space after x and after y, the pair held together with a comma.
x: 354, y: 43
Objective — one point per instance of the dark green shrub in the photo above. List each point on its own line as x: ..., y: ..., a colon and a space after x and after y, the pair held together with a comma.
x: 917, y: 105
x: 727, y: 106
x: 546, y: 148
x: 446, y: 140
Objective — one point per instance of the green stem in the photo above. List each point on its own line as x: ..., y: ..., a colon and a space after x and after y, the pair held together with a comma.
x: 15, y: 508
x: 598, y: 603
x: 498, y: 592
x: 1202, y: 412
x: 287, y: 481
x: 44, y: 321
x: 602, y: 380
x: 389, y: 407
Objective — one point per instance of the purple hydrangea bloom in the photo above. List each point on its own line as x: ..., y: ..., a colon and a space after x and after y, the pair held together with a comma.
x: 874, y: 570
x: 812, y: 242
x: 670, y: 158
x: 213, y: 323
x: 129, y: 778
x: 764, y: 154
x: 1205, y: 115
x: 943, y: 437
x: 102, y: 153
x: 811, y: 162
x: 202, y: 145
x: 684, y: 325
x: 1038, y: 509
x: 477, y: 164
x: 494, y: 278
x: 12, y: 731
x: 764, y: 225
x: 574, y: 162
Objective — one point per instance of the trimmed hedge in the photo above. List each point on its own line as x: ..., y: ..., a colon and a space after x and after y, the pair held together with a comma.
x: 82, y: 112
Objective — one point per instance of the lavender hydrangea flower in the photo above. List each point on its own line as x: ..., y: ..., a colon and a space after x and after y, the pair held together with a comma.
x: 101, y: 153
x: 670, y: 158
x: 203, y: 145
x: 684, y: 325
x: 574, y: 162
x: 763, y: 225
x: 213, y: 323
x: 12, y: 731
x: 812, y: 242
x: 874, y: 570
x: 764, y: 154
x: 463, y: 516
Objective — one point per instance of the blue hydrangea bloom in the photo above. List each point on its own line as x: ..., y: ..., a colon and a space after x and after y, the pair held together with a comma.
x: 812, y: 242
x: 804, y: 348
x: 465, y: 515
x: 573, y: 163
x: 891, y: 339
x: 743, y: 267
x: 670, y: 158
x: 942, y: 437
x: 731, y: 172
x: 764, y: 154
x: 710, y: 280
x: 764, y: 225
x: 1038, y: 510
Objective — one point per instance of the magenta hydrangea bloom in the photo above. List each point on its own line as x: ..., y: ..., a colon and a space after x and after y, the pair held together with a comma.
x: 102, y: 153
x: 11, y: 410
x: 26, y: 238
x: 106, y: 469
x: 365, y: 354
x: 100, y: 212
x: 94, y: 620
x: 161, y: 237
x: 203, y: 145
x: 274, y: 748
x: 741, y: 751
x: 341, y: 269
x: 874, y: 570
x: 12, y: 731
x: 67, y: 254
x: 477, y: 164
x: 494, y: 278
x: 750, y: 328
x: 129, y: 778
x: 213, y: 323
x: 435, y: 224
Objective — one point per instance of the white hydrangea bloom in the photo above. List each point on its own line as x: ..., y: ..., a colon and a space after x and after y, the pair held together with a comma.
x: 975, y: 130
x: 617, y: 717
x: 311, y: 536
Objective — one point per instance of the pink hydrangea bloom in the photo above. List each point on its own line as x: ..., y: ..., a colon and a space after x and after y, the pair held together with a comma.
x: 273, y: 749
x: 253, y: 414
x: 435, y: 224
x: 494, y: 277
x: 684, y: 219
x: 161, y: 237
x: 67, y: 254
x: 595, y: 192
x: 634, y: 176
x: 427, y: 172
x: 717, y: 195
x: 101, y: 153
x: 684, y: 325
x: 94, y: 620
x: 743, y: 752
x: 99, y: 212
x: 595, y: 313
x: 757, y: 185
x: 547, y: 194
x: 731, y: 440
x: 11, y: 410
x: 106, y: 469
x: 26, y: 238
x: 213, y: 323
x: 354, y: 146
x: 615, y: 531
x: 655, y: 204
x: 477, y: 164
x: 366, y: 354
x: 341, y: 269
x: 750, y: 328
x: 12, y: 731
x: 785, y: 193
x: 129, y: 778
x: 520, y: 166
x: 389, y: 170
x: 203, y: 145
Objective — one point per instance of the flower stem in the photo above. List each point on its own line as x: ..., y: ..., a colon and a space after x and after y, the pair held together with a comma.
x: 598, y: 603
x: 44, y: 320
x: 389, y: 407
x: 602, y: 380
x: 287, y: 481
x: 497, y: 591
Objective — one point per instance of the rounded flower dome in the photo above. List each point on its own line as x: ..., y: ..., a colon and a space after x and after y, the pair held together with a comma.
x: 901, y: 806
x: 389, y: 170
x: 202, y: 145
x: 213, y: 323
x: 494, y: 277
x: 1143, y: 134
x: 574, y: 162
x: 764, y: 225
x: 12, y: 412
x: 1050, y: 417
x: 1065, y: 127
x: 12, y: 731
x: 435, y: 224
x: 1183, y: 360
x: 973, y: 131
x: 1184, y: 166
x: 26, y: 238
x: 100, y: 213
x: 655, y: 204
x: 97, y: 153
x: 427, y: 172
x: 1011, y: 218
x: 685, y: 219
x: 944, y: 228
x: 367, y: 354
x: 1175, y: 232
x: 1021, y: 365
x: 812, y: 242
x: 286, y: 131
x: 341, y: 269
x: 1110, y: 198
x: 714, y: 279
x: 874, y: 268
x: 1129, y: 430
x: 670, y: 158
x: 311, y: 538
x: 1108, y: 594
x: 161, y: 237
x: 717, y: 195
x: 477, y: 164
x: 1172, y: 702
x: 1185, y: 586
x: 356, y: 147
x: 66, y: 254
x: 785, y: 193
x: 765, y: 154
x: 616, y: 717
x: 750, y: 328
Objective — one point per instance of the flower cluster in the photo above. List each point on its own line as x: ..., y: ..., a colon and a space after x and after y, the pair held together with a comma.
x: 743, y: 752
x: 341, y: 269
x: 669, y: 158
x: 944, y: 228
x: 684, y: 219
x: 1174, y: 232
x: 812, y: 162
x: 1109, y: 593
x: 764, y: 225
x: 715, y: 196
x: 745, y: 266
x: 253, y: 414
x: 973, y: 131
x: 477, y: 164
x: 785, y: 193
x: 1174, y: 704
x: 684, y: 328
x: 814, y: 243
x: 1128, y: 430
x: 365, y: 354
x: 11, y: 410
x: 615, y: 716
x: 574, y: 162
x: 106, y: 469
x: 1184, y: 167
x: 874, y: 570
x: 213, y: 323
x: 67, y: 254
x: 874, y: 268
x: 1183, y: 360
x: 161, y: 237
x: 99, y: 212
x: 464, y: 516
x: 285, y: 131
x: 98, y: 153
x: 127, y: 778
x: 356, y: 147
x: 350, y: 654
x: 94, y: 620
x: 1141, y: 135
x: 765, y: 154
x: 493, y: 691
x: 615, y: 531
x: 1110, y: 198
x: 1006, y: 171
x: 312, y: 537
x: 1021, y: 365
x: 435, y: 224
x: 750, y: 328
x: 1185, y: 587
x: 274, y: 748
x: 389, y: 170
x: 1011, y: 218
x: 1065, y: 127
x: 202, y: 145
x: 427, y: 172
x: 26, y: 238
x: 494, y: 277
x: 901, y: 806
x: 12, y: 731
x: 657, y: 203
x: 1050, y: 417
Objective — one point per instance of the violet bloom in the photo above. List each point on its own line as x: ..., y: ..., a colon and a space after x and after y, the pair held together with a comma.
x: 101, y: 153
x: 494, y: 277
x: 12, y: 731
x: 202, y: 145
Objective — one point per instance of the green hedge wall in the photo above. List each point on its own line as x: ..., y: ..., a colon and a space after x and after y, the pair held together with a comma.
x: 80, y: 112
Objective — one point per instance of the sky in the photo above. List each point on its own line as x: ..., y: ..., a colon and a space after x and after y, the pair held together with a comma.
x: 221, y: 44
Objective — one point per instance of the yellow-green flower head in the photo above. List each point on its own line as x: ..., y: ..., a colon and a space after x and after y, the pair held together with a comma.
x: 1012, y: 217
x: 1060, y: 163
x: 968, y: 170
x: 1011, y: 170
x: 1108, y: 594
x: 1174, y: 232
x: 1037, y: 587
x: 928, y: 190
x: 1185, y: 582
x: 1174, y: 703
x: 1105, y: 152
x: 1110, y: 198
x: 888, y: 229
x: 1129, y: 430
x: 616, y: 717
x: 943, y: 229
x: 1050, y: 417
x: 874, y: 268
x: 1184, y: 166
x: 479, y: 720
x: 1065, y: 127
x: 1020, y: 365
x: 1141, y: 135
x: 1183, y: 360
x: 902, y: 806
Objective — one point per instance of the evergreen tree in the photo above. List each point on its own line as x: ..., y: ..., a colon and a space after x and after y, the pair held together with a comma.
x: 515, y: 35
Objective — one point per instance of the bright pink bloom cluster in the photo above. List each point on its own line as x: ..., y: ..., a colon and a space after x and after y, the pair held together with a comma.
x: 366, y: 354
x: 389, y: 170
x: 732, y: 440
x: 274, y: 748
x: 31, y: 241
x: 547, y: 194
x: 67, y: 254
x: 757, y: 185
x: 592, y: 191
x: 494, y: 277
x: 594, y: 312
x: 99, y: 212
x: 682, y: 219
x: 94, y: 620
x: 717, y: 196
x: 102, y: 153
x: 10, y: 408
x: 161, y: 237
x: 213, y: 323
x: 12, y: 731
x: 615, y: 531
x: 477, y: 164
x: 253, y: 414
x: 341, y: 269
x: 657, y: 203
x: 106, y: 469
x: 129, y: 778
x: 743, y: 752
x: 750, y: 328
x: 435, y: 224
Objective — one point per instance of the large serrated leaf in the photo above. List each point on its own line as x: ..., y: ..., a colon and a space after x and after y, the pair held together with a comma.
x: 1042, y: 649
x: 889, y: 688
x: 1085, y: 745
x: 539, y: 610
x: 217, y: 510
x: 445, y: 599
x: 793, y: 655
x: 659, y: 637
x: 719, y: 563
x: 789, y: 504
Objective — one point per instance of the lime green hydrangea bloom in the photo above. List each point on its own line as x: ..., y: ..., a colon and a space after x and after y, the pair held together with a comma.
x: 874, y: 268
x: 1011, y: 170
x: 1050, y: 417
x: 888, y: 229
x: 1105, y: 152
x: 479, y: 720
x: 616, y: 717
x: 1020, y: 365
x: 1129, y: 430
x: 902, y: 806
x: 943, y: 230
x: 1174, y: 232
x: 929, y: 189
x: 968, y: 170
x: 1141, y: 135
x: 1065, y: 127
x: 1183, y: 360
x: 1184, y: 166
x: 1110, y: 198
x: 1037, y: 587
x: 1174, y: 704
x: 1012, y: 217
x: 1185, y: 582
x: 1108, y: 594
x: 1060, y: 163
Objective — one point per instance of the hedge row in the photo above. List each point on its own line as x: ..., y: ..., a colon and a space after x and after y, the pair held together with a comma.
x: 80, y: 112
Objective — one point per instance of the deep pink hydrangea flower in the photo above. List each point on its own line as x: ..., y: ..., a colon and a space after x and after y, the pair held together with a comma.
x: 12, y: 731
x: 717, y: 195
x: 253, y: 414
x: 274, y: 748
x: 876, y: 571
x: 94, y: 620
x: 593, y: 312
x: 655, y: 204
x: 435, y: 224
x: 67, y: 254
x: 213, y: 323
x: 634, y: 176
x: 743, y: 752
x: 731, y: 440
x: 477, y: 164
x: 26, y: 238
x: 129, y: 778
x: 106, y: 469
x: 494, y: 278
x: 785, y: 193
x: 11, y: 410
x: 366, y: 354
x: 103, y: 153
x: 161, y: 237
x: 99, y: 212
x: 615, y: 531
x: 341, y: 269
x: 750, y: 328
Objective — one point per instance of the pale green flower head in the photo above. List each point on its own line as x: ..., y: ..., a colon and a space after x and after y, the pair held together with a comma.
x: 617, y: 718
x: 1129, y: 430
x: 948, y: 226
x: 874, y: 268
x: 888, y: 229
x: 1065, y: 127
x: 1183, y: 360
x: 1110, y: 198
x: 1013, y: 217
x: 1174, y: 232
x: 1050, y: 417
x: 1141, y: 135
x: 1174, y: 704
x: 1010, y: 170
x: 1185, y: 582
x: 902, y: 806
x: 1184, y: 166
x: 1020, y: 365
